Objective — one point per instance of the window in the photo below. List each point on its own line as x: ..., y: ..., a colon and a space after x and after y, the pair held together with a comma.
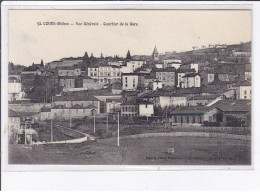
x: 200, y: 120
x: 146, y: 106
x: 193, y: 119
x: 188, y: 120
x: 126, y: 85
x: 245, y: 92
x: 210, y: 118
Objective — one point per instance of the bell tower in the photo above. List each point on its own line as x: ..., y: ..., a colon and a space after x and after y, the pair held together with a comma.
x: 155, y: 54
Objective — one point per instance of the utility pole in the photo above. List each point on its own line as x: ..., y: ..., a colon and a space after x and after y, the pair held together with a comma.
x: 118, y: 129
x: 94, y: 124
x: 25, y: 142
x: 70, y: 117
x: 107, y: 124
x: 51, y: 132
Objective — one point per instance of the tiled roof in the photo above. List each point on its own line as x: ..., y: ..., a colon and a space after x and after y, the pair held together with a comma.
x: 150, y: 77
x: 245, y: 83
x: 191, y: 75
x: 114, y: 100
x: 45, y: 109
x: 59, y: 106
x: 204, y: 97
x: 196, y: 110
x: 129, y: 103
x: 117, y: 86
x: 185, y: 70
x: 12, y: 113
x: 218, y: 82
x: 169, y: 69
x: 128, y: 74
x: 12, y: 79
x: 90, y: 106
x: 233, y: 105
x: 76, y: 106
x: 100, y: 92
x: 189, y: 91
x: 68, y: 68
x: 75, y: 98
x: 66, y: 77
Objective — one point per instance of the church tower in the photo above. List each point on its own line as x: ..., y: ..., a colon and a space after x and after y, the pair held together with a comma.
x: 155, y: 54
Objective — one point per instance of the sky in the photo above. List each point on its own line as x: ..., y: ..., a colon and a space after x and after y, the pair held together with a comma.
x: 169, y: 30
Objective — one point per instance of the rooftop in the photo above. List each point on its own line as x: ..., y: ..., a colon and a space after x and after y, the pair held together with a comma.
x: 75, y: 98
x: 186, y: 70
x: 12, y: 113
x: 196, y: 110
x: 233, y: 105
x: 129, y: 74
x: 204, y: 97
x: 68, y: 67
x: 169, y: 69
x: 45, y: 109
x: 191, y: 75
x: 245, y: 83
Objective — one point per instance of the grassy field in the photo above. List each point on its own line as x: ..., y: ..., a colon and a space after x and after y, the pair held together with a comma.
x: 126, y: 130
x: 149, y: 151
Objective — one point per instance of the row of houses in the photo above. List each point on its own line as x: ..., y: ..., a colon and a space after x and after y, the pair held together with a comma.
x: 223, y: 113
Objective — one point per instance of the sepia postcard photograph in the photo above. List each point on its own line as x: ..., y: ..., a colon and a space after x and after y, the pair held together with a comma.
x: 144, y: 87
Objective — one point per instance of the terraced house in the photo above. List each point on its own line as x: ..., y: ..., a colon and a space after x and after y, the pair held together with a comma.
x: 105, y: 73
x: 68, y: 101
x: 166, y: 76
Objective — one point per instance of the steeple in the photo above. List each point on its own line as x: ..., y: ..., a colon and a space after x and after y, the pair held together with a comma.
x: 155, y: 54
x: 42, y: 64
x: 155, y: 51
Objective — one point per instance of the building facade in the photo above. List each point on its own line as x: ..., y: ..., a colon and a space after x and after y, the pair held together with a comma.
x: 166, y: 76
x: 129, y: 81
x: 191, y: 80
x: 146, y: 109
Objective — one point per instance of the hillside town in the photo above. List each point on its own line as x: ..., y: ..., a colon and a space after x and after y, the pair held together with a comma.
x: 207, y: 86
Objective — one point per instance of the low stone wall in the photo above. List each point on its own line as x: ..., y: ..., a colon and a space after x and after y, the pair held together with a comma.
x: 28, y: 107
x: 190, y: 134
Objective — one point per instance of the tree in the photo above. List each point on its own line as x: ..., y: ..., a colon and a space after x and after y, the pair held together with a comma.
x: 85, y: 57
x: 10, y: 66
x: 37, y: 93
x: 128, y: 55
